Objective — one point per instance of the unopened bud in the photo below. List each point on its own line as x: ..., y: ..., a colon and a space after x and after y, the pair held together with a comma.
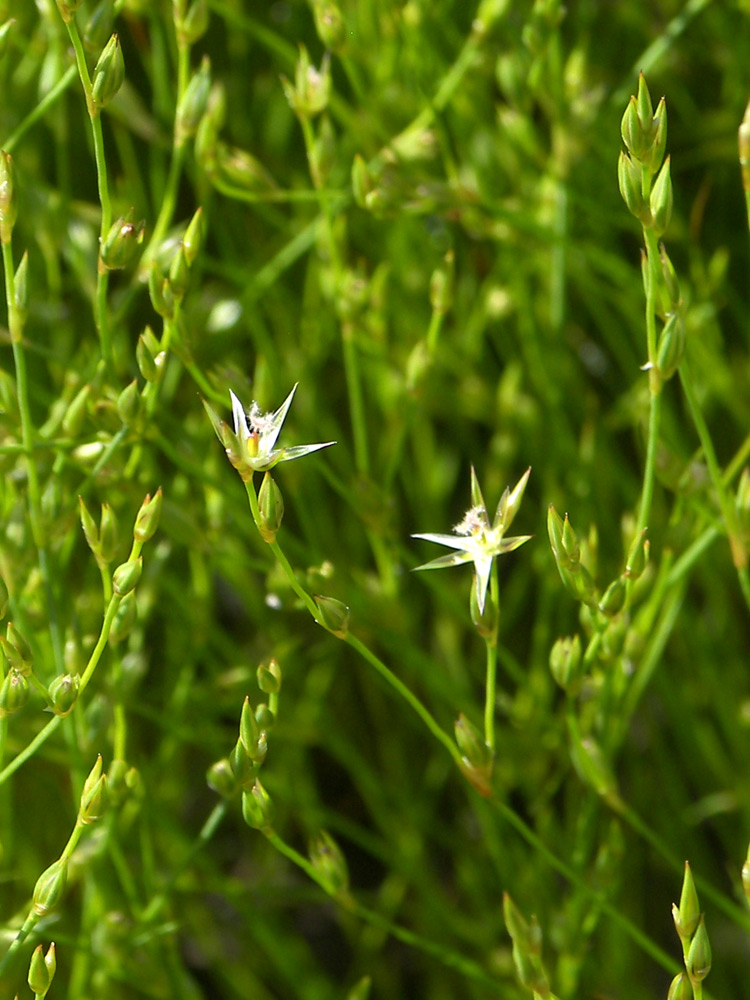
x: 565, y: 662
x: 193, y: 24
x: 680, y: 988
x: 661, y: 199
x: 221, y: 778
x: 269, y: 677
x: 126, y: 576
x: 330, y: 864
x: 698, y: 959
x: 63, y: 694
x: 637, y: 556
x: 194, y: 102
x: 124, y: 620
x: 75, y: 415
x: 329, y: 23
x: 109, y: 534
x: 257, y: 808
x: 613, y: 599
x: 689, y: 911
x: 42, y: 970
x: 670, y: 349
x: 129, y: 403
x: 50, y: 887
x: 271, y: 507
x: 333, y: 615
x: 108, y: 74
x: 68, y: 8
x: 99, y: 26
x: 121, y: 243
x: 477, y: 757
x: 148, y: 517
x: 14, y: 692
x: 362, y: 181
x: 195, y: 236
x: 146, y: 361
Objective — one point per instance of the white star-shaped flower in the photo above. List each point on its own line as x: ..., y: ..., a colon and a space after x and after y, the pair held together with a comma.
x: 478, y: 542
x: 252, y: 447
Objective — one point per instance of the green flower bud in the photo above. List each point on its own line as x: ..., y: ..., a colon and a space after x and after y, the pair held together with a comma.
x: 661, y: 199
x: 160, y: 292
x: 269, y: 677
x: 145, y: 360
x: 90, y: 530
x: 698, y: 959
x: 14, y: 692
x: 659, y: 137
x: 50, y: 887
x: 125, y: 619
x: 637, y: 556
x: 249, y: 731
x: 20, y: 645
x: 689, y: 911
x: 195, y: 236
x: 63, y: 694
x: 179, y: 275
x: 257, y: 808
x: 645, y: 107
x: 192, y: 26
x: 329, y: 23
x: 121, y: 243
x: 271, y: 507
x: 477, y: 757
x: 126, y: 576
x: 72, y: 422
x: 92, y: 796
x: 312, y: 88
x: 670, y: 349
x: 565, y: 663
x: 680, y: 988
x: 629, y: 180
x: 362, y: 181
x: 108, y: 75
x: 99, y: 26
x: 632, y: 131
x: 594, y: 770
x: 265, y: 718
x: 516, y: 924
x: 241, y: 169
x: 333, y: 615
x: 109, y: 534
x: 330, y: 864
x: 41, y: 970
x: 194, y: 103
x: 613, y: 600
x: 129, y: 403
x: 486, y: 620
x: 221, y: 779
x: 8, y: 200
x: 243, y: 766
x: 570, y: 544
x: 148, y: 517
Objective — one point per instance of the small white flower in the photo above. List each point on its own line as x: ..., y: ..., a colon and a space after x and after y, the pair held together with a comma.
x: 257, y: 433
x: 478, y: 542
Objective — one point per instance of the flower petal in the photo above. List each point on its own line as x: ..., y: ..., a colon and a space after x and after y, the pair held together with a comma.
x: 483, y: 568
x: 451, y: 541
x: 270, y: 436
x: 477, y: 500
x: 443, y: 562
x: 509, y: 544
x: 240, y: 420
x: 298, y: 450
x: 510, y: 502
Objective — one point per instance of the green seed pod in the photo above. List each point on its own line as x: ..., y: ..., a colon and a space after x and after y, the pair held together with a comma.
x: 179, y: 275
x: 629, y: 180
x: 8, y: 199
x: 486, y: 620
x: 333, y: 615
x: 129, y: 403
x: 108, y: 74
x: 14, y: 692
x: 265, y: 718
x: 645, y: 107
x: 125, y: 619
x: 160, y: 292
x: 148, y: 517
x: 565, y: 663
x: 698, y: 959
x: 330, y: 864
x: 90, y: 530
x: 18, y: 641
x: 632, y: 131
x: 125, y: 578
x: 661, y: 199
x: 570, y: 544
x: 257, y: 808
x: 241, y: 169
x: 477, y: 758
x: 249, y: 731
x: 243, y: 767
x: 194, y: 103
x: 312, y: 88
x: 121, y: 243
x: 63, y: 694
x: 659, y: 138
x: 221, y: 779
x: 92, y: 796
x: 50, y: 887
x: 269, y: 677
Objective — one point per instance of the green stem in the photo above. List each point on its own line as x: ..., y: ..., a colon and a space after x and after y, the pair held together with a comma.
x: 491, y: 666
x: 654, y: 418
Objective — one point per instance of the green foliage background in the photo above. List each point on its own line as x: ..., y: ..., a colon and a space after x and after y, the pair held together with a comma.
x: 491, y: 132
